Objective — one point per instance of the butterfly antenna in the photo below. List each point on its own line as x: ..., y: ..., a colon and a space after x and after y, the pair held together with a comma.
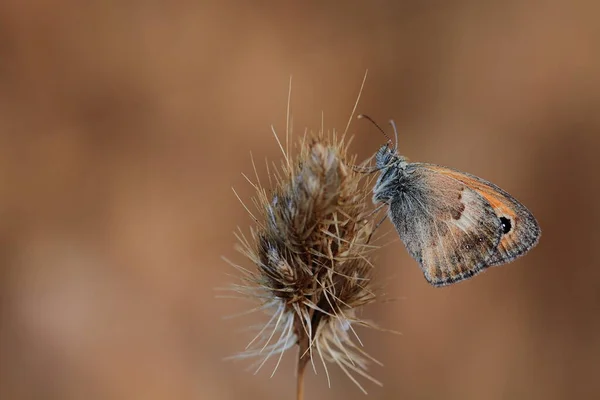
x: 360, y: 116
x: 393, y: 124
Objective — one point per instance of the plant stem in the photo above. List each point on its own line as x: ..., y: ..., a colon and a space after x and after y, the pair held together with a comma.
x: 303, y: 357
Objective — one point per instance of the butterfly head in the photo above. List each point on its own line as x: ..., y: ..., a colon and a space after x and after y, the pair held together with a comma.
x: 391, y: 167
x: 387, y: 156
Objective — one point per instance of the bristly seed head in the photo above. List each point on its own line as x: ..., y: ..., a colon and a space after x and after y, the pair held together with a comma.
x: 311, y: 249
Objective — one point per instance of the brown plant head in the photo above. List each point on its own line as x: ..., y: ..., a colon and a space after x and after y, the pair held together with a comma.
x: 311, y: 249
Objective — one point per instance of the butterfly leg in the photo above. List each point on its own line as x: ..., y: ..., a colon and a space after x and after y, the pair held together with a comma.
x: 379, y: 223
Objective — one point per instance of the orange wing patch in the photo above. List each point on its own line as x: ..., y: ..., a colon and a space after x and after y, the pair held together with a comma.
x: 495, y: 196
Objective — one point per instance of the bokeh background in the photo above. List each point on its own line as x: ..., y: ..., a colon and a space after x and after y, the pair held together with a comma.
x: 124, y: 125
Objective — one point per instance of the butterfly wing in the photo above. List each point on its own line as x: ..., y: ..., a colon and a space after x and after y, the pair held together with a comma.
x: 521, y: 231
x: 448, y: 227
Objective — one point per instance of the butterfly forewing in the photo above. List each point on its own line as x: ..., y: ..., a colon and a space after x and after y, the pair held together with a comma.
x: 520, y: 231
x: 449, y: 228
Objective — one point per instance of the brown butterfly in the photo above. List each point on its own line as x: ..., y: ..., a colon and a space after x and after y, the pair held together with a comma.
x: 453, y: 223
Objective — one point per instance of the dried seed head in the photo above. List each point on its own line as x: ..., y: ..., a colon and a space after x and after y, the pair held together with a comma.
x: 311, y: 249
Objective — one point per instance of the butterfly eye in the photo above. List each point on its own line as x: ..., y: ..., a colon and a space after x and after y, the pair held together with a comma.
x: 506, y: 225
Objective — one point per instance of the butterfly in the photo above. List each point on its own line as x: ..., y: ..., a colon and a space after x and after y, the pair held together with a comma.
x: 452, y: 223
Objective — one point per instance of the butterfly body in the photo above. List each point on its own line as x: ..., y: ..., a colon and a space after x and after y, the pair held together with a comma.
x: 452, y: 223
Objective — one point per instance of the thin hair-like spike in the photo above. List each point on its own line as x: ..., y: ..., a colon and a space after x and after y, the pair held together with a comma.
x: 274, y: 348
x: 244, y: 205
x: 287, y: 124
x: 362, y: 85
x: 288, y: 335
x: 324, y: 363
x: 268, y: 324
x: 285, y: 154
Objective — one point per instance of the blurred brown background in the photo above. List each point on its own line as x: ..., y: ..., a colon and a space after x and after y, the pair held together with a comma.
x: 123, y: 126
